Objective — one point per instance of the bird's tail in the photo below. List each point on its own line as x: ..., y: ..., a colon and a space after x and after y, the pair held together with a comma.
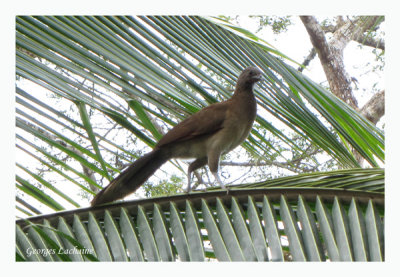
x: 132, y: 177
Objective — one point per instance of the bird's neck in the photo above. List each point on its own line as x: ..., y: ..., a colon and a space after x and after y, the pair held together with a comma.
x: 244, y: 90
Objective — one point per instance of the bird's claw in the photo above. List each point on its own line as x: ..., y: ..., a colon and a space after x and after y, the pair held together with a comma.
x: 227, y: 190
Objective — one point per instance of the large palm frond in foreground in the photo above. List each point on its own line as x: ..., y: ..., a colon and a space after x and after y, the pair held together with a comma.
x: 334, y: 216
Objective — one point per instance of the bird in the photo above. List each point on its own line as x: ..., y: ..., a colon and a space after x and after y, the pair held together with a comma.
x: 204, y: 136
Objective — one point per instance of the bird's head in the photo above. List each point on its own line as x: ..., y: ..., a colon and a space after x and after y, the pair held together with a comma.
x: 250, y: 75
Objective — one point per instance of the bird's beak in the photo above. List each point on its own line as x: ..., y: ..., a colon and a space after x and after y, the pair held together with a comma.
x: 258, y: 77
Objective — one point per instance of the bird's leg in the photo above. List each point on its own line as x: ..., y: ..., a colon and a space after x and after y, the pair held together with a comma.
x: 218, y: 180
x: 192, y: 167
x: 189, y: 177
x: 213, y: 164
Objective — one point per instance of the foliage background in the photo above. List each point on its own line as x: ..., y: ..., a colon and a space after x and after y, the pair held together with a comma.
x: 147, y: 78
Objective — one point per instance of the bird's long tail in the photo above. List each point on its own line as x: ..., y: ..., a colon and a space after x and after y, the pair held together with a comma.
x: 132, y: 177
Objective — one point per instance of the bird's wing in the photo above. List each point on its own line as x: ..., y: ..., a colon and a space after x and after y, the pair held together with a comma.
x: 207, y: 121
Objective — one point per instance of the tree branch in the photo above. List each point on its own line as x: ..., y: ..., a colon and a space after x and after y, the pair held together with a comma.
x: 361, y: 38
x: 292, y: 165
x: 369, y: 41
x: 329, y: 28
x: 308, y: 59
x: 374, y: 109
x: 331, y: 57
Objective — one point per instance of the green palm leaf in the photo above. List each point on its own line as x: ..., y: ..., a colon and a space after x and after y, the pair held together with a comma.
x: 302, y: 222
x: 128, y: 69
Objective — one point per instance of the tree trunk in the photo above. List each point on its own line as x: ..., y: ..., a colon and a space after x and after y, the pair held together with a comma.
x: 374, y: 109
x: 331, y: 57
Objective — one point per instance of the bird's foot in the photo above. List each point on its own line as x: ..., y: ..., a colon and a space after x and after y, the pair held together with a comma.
x: 227, y: 190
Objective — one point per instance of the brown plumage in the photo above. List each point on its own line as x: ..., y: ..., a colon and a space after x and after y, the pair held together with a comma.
x: 205, y: 136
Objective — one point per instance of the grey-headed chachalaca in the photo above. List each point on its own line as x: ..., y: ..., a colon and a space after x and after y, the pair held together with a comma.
x: 204, y: 136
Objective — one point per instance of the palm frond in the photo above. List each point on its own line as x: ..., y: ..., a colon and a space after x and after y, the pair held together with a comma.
x: 300, y: 220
